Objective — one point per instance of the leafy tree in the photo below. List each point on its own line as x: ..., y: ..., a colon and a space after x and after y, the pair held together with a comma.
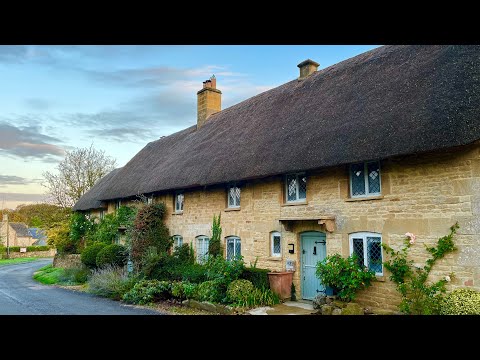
x: 215, y: 246
x: 76, y: 174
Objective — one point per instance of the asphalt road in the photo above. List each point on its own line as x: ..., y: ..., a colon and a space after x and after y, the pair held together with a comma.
x: 21, y: 295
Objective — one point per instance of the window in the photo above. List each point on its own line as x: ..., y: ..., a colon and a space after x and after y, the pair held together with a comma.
x: 368, y: 247
x: 276, y: 244
x: 150, y: 199
x: 102, y: 214
x: 233, y: 196
x: 118, y: 203
x: 296, y: 187
x: 202, y: 249
x: 177, y: 241
x: 365, y: 179
x: 234, y: 247
x: 179, y: 202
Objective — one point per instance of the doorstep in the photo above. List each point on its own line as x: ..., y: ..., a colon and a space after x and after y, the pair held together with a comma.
x: 286, y: 308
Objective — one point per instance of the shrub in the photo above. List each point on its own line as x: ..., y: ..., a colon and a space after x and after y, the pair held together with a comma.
x: 461, y: 302
x: 147, y: 291
x: 224, y: 271
x: 238, y: 291
x: 112, y: 254
x: 259, y: 297
x: 210, y: 291
x: 194, y: 273
x: 177, y: 290
x: 184, y: 254
x: 344, y: 275
x: 149, y: 231
x: 110, y: 281
x: 214, y: 245
x: 75, y: 275
x: 190, y: 290
x: 258, y: 277
x: 39, y: 248
x: 89, y: 255
x: 419, y: 296
x: 80, y: 226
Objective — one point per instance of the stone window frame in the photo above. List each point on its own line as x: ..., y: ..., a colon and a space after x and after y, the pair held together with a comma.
x: 366, y: 181
x: 364, y: 235
x: 272, y: 252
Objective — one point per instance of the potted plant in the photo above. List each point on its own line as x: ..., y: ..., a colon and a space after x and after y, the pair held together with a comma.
x: 281, y: 283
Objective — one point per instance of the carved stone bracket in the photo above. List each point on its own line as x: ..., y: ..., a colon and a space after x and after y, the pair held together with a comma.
x: 327, y: 221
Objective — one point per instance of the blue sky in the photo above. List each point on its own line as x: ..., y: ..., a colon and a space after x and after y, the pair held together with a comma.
x: 57, y: 98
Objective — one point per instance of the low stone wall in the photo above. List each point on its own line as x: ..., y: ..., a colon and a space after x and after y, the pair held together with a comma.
x: 67, y: 261
x: 46, y: 253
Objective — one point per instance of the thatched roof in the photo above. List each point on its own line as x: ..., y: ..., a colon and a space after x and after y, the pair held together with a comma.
x: 389, y: 101
x: 20, y: 228
x: 91, y: 199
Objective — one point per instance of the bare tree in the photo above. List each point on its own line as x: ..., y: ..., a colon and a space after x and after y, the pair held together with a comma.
x: 77, y: 173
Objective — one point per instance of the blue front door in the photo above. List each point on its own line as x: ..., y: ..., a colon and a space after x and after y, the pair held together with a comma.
x: 313, y: 251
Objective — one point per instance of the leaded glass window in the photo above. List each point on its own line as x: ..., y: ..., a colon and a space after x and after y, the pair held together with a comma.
x: 177, y: 241
x: 202, y: 249
x: 276, y: 244
x: 365, y: 179
x: 296, y: 187
x: 179, y: 202
x: 234, y: 247
x: 368, y: 248
x: 233, y: 196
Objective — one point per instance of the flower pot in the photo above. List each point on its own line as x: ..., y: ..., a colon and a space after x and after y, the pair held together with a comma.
x: 281, y: 283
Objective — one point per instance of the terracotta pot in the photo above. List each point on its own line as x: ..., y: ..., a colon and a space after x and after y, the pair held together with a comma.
x: 281, y: 283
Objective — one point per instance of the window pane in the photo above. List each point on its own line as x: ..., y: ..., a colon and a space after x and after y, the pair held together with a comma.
x: 374, y: 254
x: 237, y: 196
x: 238, y: 248
x: 302, y: 187
x: 373, y: 177
x: 276, y: 245
x: 230, y: 249
x: 231, y: 196
x: 291, y: 188
x: 179, y: 202
x: 357, y: 179
x: 202, y: 249
x: 358, y: 250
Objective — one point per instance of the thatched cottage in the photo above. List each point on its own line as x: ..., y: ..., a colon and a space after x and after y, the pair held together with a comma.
x: 339, y: 160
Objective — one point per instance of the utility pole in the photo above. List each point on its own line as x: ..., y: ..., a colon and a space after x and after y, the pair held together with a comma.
x: 5, y: 218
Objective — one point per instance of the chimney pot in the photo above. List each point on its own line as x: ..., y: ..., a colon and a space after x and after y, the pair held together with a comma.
x: 307, y: 68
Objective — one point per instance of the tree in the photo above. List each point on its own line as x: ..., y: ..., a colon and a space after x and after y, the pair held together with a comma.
x: 77, y: 173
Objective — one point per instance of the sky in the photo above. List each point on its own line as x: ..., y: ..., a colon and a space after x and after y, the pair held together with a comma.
x: 56, y: 98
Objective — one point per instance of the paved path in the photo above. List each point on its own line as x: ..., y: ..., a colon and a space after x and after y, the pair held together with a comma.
x: 21, y: 295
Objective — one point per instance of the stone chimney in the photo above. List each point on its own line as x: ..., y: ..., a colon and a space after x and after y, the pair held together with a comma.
x: 209, y: 101
x: 307, y: 68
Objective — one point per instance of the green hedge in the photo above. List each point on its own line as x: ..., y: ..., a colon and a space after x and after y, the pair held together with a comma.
x: 258, y: 277
x: 3, y: 249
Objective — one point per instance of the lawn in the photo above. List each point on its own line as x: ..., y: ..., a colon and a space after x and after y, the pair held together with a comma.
x: 17, y: 260
x: 49, y: 275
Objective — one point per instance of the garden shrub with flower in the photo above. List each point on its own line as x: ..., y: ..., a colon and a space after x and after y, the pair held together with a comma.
x: 418, y: 296
x: 344, y: 275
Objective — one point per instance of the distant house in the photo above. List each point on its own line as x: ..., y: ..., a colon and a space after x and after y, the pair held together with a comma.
x: 18, y: 234
x: 339, y: 160
x: 39, y: 236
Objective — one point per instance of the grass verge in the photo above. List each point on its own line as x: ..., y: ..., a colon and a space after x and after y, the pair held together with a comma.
x: 48, y: 275
x: 16, y: 260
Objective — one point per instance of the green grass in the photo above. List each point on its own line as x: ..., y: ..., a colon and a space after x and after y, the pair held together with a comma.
x: 49, y: 275
x: 16, y: 260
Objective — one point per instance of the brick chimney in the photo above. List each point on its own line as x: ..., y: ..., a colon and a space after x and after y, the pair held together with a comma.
x: 209, y: 101
x: 307, y: 68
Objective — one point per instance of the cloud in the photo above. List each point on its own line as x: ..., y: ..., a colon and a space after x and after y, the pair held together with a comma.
x: 122, y: 134
x: 27, y: 142
x: 22, y: 197
x: 12, y: 180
